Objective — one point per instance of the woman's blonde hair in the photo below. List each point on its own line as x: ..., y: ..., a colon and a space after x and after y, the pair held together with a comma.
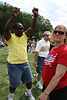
x: 61, y: 27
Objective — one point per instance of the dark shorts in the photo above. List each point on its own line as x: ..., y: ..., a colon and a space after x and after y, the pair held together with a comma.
x: 40, y: 65
x: 60, y: 94
x: 19, y: 72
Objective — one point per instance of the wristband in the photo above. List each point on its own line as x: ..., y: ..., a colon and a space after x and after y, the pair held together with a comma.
x: 46, y: 93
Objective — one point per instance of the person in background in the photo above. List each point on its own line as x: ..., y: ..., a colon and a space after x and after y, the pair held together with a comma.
x: 41, y: 51
x: 35, y: 44
x: 51, y: 45
x: 54, y: 73
x: 0, y: 43
x: 18, y: 67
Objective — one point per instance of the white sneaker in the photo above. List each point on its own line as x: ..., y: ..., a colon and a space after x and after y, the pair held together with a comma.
x: 10, y: 96
x: 39, y: 86
x: 30, y: 96
x: 35, y: 76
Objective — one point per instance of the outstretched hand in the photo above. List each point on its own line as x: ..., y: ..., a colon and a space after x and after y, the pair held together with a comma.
x: 16, y: 11
x: 35, y: 11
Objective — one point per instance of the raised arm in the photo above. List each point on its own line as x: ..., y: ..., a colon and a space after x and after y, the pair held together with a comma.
x: 7, y: 32
x: 30, y: 29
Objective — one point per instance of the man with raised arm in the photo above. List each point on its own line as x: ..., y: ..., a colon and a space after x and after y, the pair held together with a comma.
x: 18, y: 67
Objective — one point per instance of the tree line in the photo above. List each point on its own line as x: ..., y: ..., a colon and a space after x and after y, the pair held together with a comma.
x: 24, y: 18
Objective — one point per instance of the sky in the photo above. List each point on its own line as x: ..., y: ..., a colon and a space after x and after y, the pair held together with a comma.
x: 54, y: 10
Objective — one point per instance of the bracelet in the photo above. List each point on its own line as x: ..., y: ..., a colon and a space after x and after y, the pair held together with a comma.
x: 46, y: 93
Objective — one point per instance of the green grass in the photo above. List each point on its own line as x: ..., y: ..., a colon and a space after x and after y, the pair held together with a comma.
x: 4, y: 79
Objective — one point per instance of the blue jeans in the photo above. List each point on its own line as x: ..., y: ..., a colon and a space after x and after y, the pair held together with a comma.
x: 19, y: 72
x: 40, y: 64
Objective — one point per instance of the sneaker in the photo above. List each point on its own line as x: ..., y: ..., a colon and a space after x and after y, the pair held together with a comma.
x: 30, y: 96
x: 39, y: 86
x: 10, y: 96
x: 35, y: 76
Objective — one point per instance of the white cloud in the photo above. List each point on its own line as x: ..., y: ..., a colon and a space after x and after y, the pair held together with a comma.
x: 54, y: 10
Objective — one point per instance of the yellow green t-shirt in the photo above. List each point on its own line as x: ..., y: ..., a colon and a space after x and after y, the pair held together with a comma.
x: 17, y: 49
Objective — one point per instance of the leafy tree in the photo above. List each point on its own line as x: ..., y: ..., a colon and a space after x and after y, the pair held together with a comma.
x: 25, y: 18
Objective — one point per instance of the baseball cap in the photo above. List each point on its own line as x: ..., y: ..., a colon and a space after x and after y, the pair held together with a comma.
x: 46, y: 33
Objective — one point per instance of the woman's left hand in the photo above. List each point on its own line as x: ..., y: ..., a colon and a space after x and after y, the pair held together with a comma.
x: 43, y: 96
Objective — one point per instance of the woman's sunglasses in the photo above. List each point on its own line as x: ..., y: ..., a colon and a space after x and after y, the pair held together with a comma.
x: 59, y: 32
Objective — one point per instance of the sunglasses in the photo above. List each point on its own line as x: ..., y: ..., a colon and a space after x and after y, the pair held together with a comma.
x: 46, y: 35
x: 20, y: 28
x: 59, y: 32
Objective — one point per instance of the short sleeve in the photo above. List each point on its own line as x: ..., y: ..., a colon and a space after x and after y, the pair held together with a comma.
x: 9, y: 39
x: 62, y: 58
x: 38, y: 46
x: 25, y: 36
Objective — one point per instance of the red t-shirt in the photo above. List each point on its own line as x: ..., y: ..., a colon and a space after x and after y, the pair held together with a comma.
x: 55, y: 56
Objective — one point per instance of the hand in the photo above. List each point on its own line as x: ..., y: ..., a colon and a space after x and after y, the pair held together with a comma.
x: 35, y: 63
x: 43, y: 97
x: 35, y: 11
x: 16, y: 11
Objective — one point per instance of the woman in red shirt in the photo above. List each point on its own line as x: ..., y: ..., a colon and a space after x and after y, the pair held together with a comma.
x: 54, y: 71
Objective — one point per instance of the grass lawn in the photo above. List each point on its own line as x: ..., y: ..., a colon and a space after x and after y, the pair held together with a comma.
x: 4, y: 79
